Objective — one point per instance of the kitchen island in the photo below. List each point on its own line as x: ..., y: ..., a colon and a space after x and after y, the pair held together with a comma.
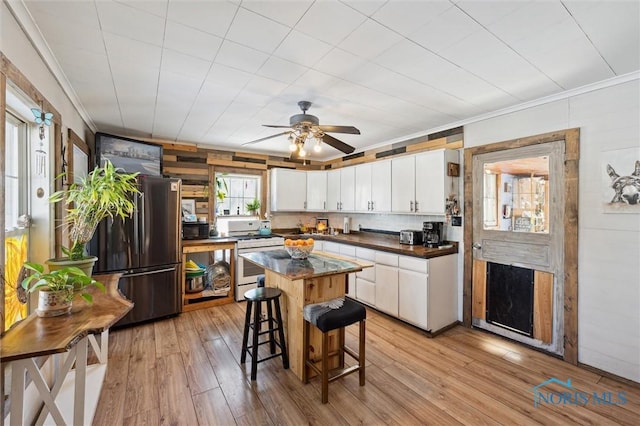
x: 318, y: 278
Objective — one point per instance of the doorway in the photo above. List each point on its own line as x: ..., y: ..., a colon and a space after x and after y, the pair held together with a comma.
x: 521, y: 210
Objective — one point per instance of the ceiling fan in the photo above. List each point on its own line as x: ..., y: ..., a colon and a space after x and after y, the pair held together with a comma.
x: 306, y: 127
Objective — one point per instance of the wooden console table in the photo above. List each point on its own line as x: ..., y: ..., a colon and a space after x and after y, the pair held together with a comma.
x: 63, y: 341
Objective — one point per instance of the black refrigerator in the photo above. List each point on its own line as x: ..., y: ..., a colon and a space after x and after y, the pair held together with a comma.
x: 146, y: 249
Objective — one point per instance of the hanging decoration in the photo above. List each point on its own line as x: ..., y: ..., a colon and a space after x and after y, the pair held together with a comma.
x: 42, y: 119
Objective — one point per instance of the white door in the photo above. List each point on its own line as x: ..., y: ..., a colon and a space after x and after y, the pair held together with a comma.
x: 347, y: 189
x: 316, y: 190
x: 288, y: 190
x: 333, y: 190
x: 387, y: 289
x: 412, y: 297
x: 363, y: 188
x: 381, y: 186
x: 403, y: 180
x: 430, y: 182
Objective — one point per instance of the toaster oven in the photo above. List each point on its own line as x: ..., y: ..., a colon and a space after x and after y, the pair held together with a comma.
x: 409, y: 236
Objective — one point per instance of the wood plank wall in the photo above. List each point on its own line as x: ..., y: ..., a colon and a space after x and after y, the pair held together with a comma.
x: 197, y: 166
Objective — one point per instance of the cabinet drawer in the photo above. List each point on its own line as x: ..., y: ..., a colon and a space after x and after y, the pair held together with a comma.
x: 348, y: 251
x: 386, y: 258
x: 368, y: 274
x: 414, y: 264
x: 365, y: 254
x: 330, y: 247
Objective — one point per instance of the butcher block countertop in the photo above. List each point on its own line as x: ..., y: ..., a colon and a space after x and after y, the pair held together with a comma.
x: 379, y: 241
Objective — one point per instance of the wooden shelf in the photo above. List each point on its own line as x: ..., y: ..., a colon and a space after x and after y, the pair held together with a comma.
x: 207, y: 298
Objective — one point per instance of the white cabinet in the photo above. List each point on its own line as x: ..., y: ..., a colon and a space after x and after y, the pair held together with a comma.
x: 428, y: 291
x: 403, y: 184
x: 412, y: 294
x: 316, y: 190
x: 366, y: 279
x: 341, y: 189
x: 433, y: 186
x: 288, y: 189
x: 420, y: 183
x: 346, y: 251
x: 386, y: 282
x: 373, y: 187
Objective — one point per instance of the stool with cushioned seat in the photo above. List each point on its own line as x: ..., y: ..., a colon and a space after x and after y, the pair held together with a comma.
x: 327, y: 316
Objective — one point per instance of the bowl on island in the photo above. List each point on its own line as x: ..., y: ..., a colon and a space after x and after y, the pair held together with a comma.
x: 299, y: 249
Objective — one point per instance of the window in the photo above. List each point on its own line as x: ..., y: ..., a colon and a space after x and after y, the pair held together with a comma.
x: 15, y: 170
x: 234, y: 192
x: 516, y: 195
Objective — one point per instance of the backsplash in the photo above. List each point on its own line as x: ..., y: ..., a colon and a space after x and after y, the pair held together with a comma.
x: 385, y: 222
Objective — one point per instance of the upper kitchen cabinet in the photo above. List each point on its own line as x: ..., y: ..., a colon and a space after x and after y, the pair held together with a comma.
x: 433, y: 184
x: 420, y: 183
x: 373, y: 187
x: 288, y: 190
x: 403, y: 184
x: 341, y: 189
x: 316, y: 190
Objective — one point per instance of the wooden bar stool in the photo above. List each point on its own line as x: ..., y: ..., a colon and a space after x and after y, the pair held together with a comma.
x: 256, y: 297
x: 327, y: 316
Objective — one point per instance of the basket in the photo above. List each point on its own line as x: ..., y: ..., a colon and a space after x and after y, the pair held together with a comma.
x: 299, y: 252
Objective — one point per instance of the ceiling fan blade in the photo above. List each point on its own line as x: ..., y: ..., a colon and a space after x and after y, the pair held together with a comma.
x: 340, y: 129
x: 276, y: 126
x: 338, y: 144
x: 265, y: 138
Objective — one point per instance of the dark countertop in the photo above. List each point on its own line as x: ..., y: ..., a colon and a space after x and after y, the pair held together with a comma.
x: 380, y: 241
x: 316, y: 265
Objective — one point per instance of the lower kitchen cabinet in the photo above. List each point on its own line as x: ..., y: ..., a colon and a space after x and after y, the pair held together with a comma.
x: 428, y: 292
x: 387, y: 283
x: 346, y: 251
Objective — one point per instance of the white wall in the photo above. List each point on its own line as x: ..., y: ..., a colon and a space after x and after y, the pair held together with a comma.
x: 18, y: 49
x: 608, y: 244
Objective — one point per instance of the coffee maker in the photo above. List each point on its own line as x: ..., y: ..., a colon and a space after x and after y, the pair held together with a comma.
x: 432, y: 233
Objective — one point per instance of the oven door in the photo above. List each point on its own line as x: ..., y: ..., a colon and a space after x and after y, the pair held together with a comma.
x: 247, y: 272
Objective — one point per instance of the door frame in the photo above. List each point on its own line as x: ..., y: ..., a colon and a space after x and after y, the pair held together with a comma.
x: 571, y: 138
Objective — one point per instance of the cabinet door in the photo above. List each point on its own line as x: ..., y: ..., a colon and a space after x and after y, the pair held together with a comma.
x: 430, y: 182
x: 366, y: 291
x: 443, y: 291
x: 347, y: 189
x: 381, y: 186
x: 316, y: 190
x: 412, y: 297
x: 387, y: 289
x: 403, y: 184
x: 333, y: 190
x: 363, y: 188
x: 288, y: 190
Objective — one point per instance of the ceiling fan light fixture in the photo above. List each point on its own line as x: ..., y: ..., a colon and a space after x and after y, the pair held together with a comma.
x: 302, y: 152
x: 317, y: 147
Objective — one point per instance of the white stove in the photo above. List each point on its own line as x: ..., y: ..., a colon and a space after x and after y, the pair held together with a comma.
x: 249, y: 240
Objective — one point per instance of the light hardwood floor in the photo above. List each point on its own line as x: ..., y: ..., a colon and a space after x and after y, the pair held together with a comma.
x: 186, y: 371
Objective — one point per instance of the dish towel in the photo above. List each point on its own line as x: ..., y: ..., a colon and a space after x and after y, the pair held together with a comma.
x: 314, y: 311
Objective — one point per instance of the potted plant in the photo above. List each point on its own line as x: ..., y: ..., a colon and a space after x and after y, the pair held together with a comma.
x: 57, y: 288
x: 105, y: 192
x: 253, y: 206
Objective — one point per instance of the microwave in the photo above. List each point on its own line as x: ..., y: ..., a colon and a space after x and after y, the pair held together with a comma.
x: 195, y: 230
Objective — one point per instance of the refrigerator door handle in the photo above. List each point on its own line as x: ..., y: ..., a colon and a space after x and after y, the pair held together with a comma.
x: 136, y: 226
x: 139, y: 274
x: 141, y: 226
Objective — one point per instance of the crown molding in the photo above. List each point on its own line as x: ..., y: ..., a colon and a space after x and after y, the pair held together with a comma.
x: 26, y: 21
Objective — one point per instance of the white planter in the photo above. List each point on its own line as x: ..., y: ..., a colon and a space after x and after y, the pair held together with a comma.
x: 54, y: 303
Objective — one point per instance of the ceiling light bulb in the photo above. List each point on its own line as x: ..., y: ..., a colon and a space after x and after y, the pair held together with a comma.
x: 292, y: 146
x: 317, y: 147
x: 302, y: 152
